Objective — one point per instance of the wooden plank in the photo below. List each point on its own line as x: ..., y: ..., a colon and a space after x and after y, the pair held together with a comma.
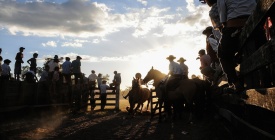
x: 106, y: 98
x: 264, y: 98
x: 255, y: 19
x: 245, y: 127
x: 262, y: 57
x: 107, y: 104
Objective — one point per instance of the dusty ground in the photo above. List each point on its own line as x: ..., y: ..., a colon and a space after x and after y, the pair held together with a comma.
x: 109, y: 125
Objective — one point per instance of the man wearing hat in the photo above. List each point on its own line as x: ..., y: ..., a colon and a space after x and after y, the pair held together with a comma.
x: 184, y: 67
x: 175, y: 73
x: 103, y: 93
x: 19, y: 59
x: 76, y: 64
x: 66, y: 70
x: 211, y: 45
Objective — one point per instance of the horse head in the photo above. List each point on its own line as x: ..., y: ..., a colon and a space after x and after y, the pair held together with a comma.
x: 149, y: 76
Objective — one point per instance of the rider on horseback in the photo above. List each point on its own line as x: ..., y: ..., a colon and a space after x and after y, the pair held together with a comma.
x: 175, y: 73
x: 140, y: 82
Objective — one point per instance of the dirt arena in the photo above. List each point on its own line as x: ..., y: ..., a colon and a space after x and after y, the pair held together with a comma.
x: 110, y: 125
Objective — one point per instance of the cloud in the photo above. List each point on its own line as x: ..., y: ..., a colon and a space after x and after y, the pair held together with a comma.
x: 71, y: 44
x: 49, y: 44
x: 144, y: 2
x: 72, y: 18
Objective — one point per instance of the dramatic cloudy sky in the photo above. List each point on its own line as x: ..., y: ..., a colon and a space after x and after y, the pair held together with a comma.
x: 125, y: 35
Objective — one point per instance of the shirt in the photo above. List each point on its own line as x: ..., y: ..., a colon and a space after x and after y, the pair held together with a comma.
x: 52, y: 65
x: 103, y: 88
x: 6, y: 69
x: 55, y: 76
x: 32, y: 62
x: 175, y: 68
x: 92, y: 77
x: 184, y: 69
x: 229, y: 9
x: 19, y: 57
x: 214, y: 16
x: 66, y: 67
x: 117, y: 78
x: 76, y: 66
x: 44, y: 76
x: 205, y: 61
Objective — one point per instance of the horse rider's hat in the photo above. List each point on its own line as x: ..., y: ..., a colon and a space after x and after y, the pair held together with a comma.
x: 171, y: 57
x: 181, y: 59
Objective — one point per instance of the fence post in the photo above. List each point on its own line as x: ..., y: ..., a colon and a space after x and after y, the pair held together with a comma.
x: 117, y: 91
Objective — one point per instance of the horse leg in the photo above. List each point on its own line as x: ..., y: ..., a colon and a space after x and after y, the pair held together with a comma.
x: 137, y: 107
x: 148, y: 102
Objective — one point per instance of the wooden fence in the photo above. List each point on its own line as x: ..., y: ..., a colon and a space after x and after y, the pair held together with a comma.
x: 258, y: 55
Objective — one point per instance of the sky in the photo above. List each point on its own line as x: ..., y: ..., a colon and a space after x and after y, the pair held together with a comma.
x: 128, y: 36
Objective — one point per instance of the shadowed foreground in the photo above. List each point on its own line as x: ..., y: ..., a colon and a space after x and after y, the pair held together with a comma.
x: 109, y: 124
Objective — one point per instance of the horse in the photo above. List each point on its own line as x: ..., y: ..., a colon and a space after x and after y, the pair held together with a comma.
x: 138, y: 95
x: 188, y: 92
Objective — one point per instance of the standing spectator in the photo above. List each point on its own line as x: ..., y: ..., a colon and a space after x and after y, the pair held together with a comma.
x: 4, y: 79
x: 92, y: 80
x: 233, y: 16
x: 55, y: 80
x: 52, y: 64
x: 214, y: 17
x: 99, y: 80
x: 76, y: 68
x: 6, y: 70
x: 45, y: 74
x: 184, y: 67
x: 117, y: 82
x: 1, y: 59
x: 66, y: 70
x: 175, y: 73
x: 19, y: 60
x: 103, y: 93
x: 33, y: 63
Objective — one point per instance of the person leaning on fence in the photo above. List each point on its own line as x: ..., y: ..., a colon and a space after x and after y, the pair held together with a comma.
x: 19, y: 60
x: 92, y: 80
x: 52, y: 64
x: 205, y: 68
x: 76, y: 68
x: 66, y: 70
x: 30, y: 77
x: 33, y: 63
x: 6, y: 70
x: 55, y: 80
x: 233, y: 16
x: 103, y: 93
x: 184, y: 68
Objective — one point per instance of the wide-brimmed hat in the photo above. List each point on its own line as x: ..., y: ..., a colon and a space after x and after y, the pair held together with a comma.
x: 181, y: 59
x: 207, y: 29
x: 171, y: 57
x: 7, y: 61
x: 78, y: 57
